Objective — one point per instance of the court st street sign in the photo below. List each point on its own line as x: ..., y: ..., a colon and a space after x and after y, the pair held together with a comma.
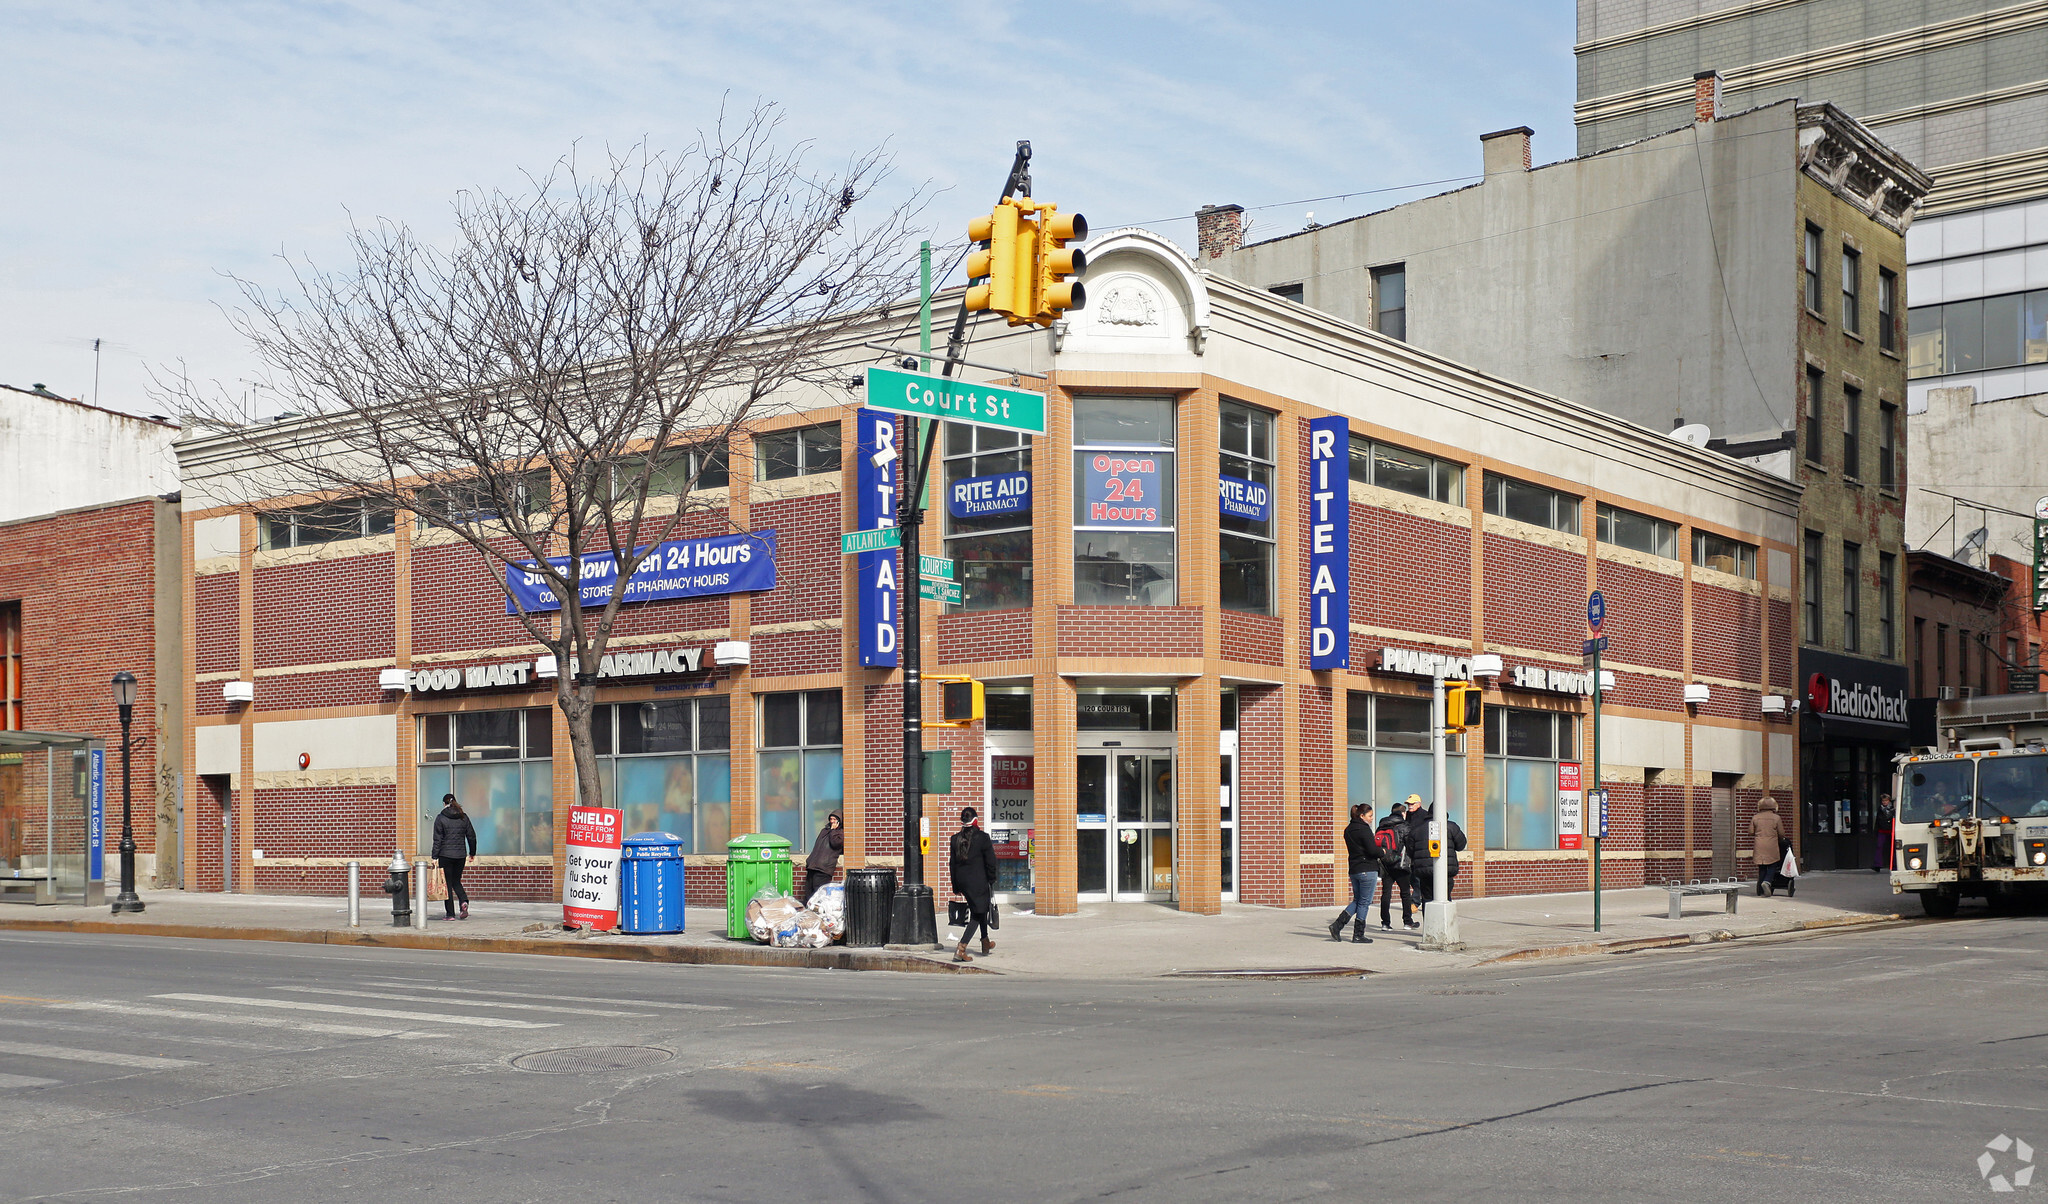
x: 929, y: 396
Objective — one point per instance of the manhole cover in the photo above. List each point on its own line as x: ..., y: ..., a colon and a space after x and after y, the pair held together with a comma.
x: 586, y: 1058
x: 1300, y: 972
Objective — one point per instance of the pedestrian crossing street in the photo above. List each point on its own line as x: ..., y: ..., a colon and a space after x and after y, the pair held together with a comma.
x: 48, y: 1043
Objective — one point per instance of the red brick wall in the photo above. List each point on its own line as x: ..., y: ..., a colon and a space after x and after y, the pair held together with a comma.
x: 984, y: 635
x: 808, y: 566
x: 1253, y: 639
x: 1784, y: 648
x: 1520, y: 578
x: 1130, y: 630
x: 299, y: 691
x: 203, y: 811
x: 1260, y: 872
x: 1318, y: 795
x: 328, y: 610
x: 1725, y: 627
x: 1643, y: 615
x: 216, y: 622
x: 86, y: 585
x: 352, y: 821
x: 458, y: 603
x: 783, y: 653
x: 1404, y: 569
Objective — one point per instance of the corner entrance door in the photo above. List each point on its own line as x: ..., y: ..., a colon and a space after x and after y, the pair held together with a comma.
x: 1124, y: 814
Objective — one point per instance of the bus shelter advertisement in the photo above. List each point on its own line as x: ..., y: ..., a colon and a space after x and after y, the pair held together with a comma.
x: 590, y: 875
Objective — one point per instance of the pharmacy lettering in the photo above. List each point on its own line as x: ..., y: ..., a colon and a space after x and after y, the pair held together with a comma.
x: 680, y: 568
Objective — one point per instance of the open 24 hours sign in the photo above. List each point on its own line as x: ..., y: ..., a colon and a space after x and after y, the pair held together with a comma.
x: 1122, y: 489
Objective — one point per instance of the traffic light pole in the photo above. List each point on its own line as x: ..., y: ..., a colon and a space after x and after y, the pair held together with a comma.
x: 913, y: 919
x: 1439, y: 918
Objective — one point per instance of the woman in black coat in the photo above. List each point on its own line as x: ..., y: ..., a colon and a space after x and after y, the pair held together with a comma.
x: 454, y: 845
x: 974, y: 877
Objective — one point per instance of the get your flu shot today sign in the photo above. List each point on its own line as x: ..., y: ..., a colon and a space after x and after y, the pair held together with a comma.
x: 590, y: 877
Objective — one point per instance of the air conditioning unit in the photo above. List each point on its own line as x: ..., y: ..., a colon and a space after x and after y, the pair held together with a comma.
x: 1950, y: 693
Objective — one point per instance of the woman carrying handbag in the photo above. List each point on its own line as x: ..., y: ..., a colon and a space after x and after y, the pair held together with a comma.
x: 973, y: 865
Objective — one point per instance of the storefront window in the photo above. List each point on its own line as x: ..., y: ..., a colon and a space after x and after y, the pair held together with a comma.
x: 500, y: 767
x: 668, y: 766
x: 801, y: 774
x: 1388, y: 758
x: 1246, y: 539
x: 1124, y: 551
x: 988, y: 515
x: 1523, y: 748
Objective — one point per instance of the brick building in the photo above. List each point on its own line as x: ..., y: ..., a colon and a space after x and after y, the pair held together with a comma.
x: 89, y: 586
x: 1135, y: 637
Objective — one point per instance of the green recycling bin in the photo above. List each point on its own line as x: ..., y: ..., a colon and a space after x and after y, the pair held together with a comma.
x: 755, y: 862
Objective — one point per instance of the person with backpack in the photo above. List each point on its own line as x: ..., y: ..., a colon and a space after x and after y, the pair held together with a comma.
x: 1419, y: 861
x: 974, y: 868
x: 1362, y: 852
x: 1393, y: 838
x: 454, y: 844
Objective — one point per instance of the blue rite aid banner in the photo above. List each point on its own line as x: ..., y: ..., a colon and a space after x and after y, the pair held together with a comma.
x: 1121, y: 489
x: 1244, y: 499
x: 878, y: 581
x: 979, y: 497
x: 1329, y: 543
x: 96, y: 817
x: 680, y: 568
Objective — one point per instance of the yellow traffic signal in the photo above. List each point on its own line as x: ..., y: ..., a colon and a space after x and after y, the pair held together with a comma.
x: 1052, y: 294
x: 960, y: 701
x: 1462, y: 706
x: 1004, y: 289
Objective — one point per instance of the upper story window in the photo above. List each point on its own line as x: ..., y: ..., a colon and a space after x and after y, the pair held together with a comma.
x: 1124, y: 512
x: 988, y: 515
x: 1815, y: 449
x: 1887, y: 309
x: 1811, y: 263
x: 1627, y: 529
x: 1528, y: 503
x: 1978, y: 334
x: 1390, y: 467
x: 1852, y: 291
x: 1287, y: 292
x: 1245, y: 538
x: 675, y: 469
x: 803, y: 452
x: 472, y: 501
x: 1887, y: 445
x: 1723, y: 555
x: 1852, y: 432
x: 1809, y: 589
x: 326, y: 522
x: 1390, y: 300
x: 10, y: 667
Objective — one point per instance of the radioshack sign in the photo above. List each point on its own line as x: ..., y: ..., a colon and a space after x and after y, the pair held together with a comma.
x: 1831, y: 696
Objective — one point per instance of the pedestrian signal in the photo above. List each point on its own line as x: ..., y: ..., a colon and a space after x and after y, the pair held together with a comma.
x: 1462, y: 705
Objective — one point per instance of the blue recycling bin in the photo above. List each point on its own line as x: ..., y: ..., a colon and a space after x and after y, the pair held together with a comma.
x: 651, y: 883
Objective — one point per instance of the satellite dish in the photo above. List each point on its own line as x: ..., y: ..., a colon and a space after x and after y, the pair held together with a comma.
x: 1973, y: 544
x: 1695, y: 433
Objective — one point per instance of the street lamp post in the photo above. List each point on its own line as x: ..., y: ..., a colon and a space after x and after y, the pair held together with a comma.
x: 124, y: 697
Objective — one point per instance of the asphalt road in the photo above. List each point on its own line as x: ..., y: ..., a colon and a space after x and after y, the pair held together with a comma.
x: 1870, y: 1066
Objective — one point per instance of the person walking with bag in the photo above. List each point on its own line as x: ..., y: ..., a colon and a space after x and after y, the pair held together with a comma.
x: 824, y: 858
x: 1363, y: 853
x: 1767, y: 842
x: 454, y: 845
x: 974, y: 876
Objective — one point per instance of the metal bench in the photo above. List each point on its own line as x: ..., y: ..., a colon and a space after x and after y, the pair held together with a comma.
x: 27, y: 886
x: 1680, y: 891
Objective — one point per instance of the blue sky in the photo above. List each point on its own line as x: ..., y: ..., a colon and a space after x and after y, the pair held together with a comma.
x: 152, y: 148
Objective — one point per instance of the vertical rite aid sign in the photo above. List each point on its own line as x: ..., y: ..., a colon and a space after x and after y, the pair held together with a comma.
x: 1329, y: 545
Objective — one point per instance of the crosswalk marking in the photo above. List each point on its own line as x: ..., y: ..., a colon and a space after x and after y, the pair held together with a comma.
x: 301, y: 1026
x: 638, y: 1003
x: 344, y: 1010
x: 9, y: 1082
x: 43, y: 1023
x: 482, y: 1003
x: 103, y: 1057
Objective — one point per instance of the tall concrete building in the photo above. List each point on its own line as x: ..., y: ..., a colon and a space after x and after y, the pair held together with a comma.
x: 1736, y: 282
x: 1960, y: 87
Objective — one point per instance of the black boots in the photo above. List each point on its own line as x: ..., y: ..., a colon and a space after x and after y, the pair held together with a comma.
x: 1337, y: 926
x: 1358, y: 936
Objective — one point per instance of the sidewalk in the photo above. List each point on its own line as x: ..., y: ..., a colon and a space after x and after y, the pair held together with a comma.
x: 1102, y: 940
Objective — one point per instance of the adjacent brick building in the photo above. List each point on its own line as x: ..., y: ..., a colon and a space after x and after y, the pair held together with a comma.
x: 1155, y: 728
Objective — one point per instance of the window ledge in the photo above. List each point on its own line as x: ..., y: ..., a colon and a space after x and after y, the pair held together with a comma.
x: 1814, y: 464
x: 1851, y: 334
x: 1852, y: 482
x: 1815, y: 314
x: 1889, y: 352
x: 1890, y: 491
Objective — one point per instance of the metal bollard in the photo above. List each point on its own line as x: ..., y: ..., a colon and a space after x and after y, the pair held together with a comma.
x: 355, y: 894
x: 419, y: 893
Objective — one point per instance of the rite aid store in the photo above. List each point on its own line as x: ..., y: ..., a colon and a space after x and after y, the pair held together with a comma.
x: 1205, y: 603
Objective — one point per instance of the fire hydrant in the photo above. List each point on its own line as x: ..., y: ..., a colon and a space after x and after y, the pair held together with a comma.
x: 400, y: 890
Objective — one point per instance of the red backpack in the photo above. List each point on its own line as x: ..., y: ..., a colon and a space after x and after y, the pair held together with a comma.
x: 1390, y: 845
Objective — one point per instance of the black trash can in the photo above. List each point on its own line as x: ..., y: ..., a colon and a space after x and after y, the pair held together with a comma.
x: 870, y: 894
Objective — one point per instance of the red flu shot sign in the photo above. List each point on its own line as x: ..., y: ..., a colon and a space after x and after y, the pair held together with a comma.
x: 1571, y: 813
x: 590, y: 877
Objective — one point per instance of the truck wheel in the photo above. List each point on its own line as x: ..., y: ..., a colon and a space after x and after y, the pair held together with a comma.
x: 1940, y: 904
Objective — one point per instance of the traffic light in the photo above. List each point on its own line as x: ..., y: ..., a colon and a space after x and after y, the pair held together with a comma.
x: 1051, y: 293
x: 1462, y: 707
x: 996, y: 263
x: 960, y: 701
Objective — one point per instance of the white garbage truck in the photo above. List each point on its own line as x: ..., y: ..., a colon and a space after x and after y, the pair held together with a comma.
x: 1972, y: 811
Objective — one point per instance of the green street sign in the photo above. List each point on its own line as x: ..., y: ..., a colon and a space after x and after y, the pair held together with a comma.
x: 870, y: 541
x: 932, y: 589
x: 935, y: 566
x: 929, y: 396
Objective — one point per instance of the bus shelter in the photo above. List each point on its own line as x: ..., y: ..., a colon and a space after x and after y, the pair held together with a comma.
x: 53, y: 832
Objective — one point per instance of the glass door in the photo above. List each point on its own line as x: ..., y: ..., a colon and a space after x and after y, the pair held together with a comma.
x: 1124, y: 817
x: 1227, y: 809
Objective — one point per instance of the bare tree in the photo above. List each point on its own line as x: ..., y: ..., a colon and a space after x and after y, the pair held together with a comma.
x: 577, y: 358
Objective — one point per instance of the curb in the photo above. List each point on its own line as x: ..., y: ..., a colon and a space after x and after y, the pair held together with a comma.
x: 1682, y: 940
x: 692, y: 955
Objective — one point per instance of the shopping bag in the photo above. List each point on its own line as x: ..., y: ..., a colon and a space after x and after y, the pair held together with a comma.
x: 957, y: 914
x: 994, y: 921
x: 1789, y: 868
x: 437, y: 885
